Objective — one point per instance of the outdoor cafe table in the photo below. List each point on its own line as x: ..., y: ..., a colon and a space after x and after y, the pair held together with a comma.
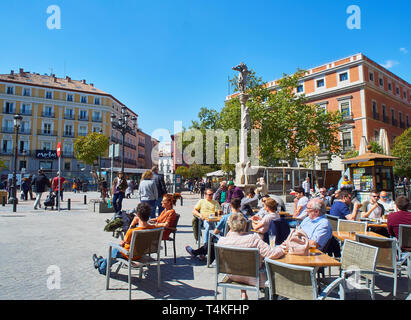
x: 316, y: 259
x: 349, y: 235
x: 211, y: 220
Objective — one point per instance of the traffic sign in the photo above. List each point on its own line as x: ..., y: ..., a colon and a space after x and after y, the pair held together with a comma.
x: 58, y: 149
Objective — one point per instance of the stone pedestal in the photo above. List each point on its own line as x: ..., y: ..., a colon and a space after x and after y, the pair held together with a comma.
x: 99, y: 207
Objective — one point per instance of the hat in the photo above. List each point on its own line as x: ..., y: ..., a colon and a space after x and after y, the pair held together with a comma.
x: 231, y: 183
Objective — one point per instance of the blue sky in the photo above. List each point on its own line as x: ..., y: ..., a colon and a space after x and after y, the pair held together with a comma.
x: 167, y: 59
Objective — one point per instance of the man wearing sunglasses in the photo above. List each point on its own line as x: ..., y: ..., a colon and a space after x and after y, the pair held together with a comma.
x: 374, y: 210
x: 341, y: 206
x: 387, y: 203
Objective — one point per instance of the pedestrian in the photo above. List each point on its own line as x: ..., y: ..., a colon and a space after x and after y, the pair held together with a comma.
x: 161, y: 190
x: 25, y: 188
x: 307, y: 188
x: 57, y: 185
x: 40, y: 183
x: 202, y: 189
x: 118, y: 191
x: 147, y: 191
x: 30, y: 180
x: 129, y: 190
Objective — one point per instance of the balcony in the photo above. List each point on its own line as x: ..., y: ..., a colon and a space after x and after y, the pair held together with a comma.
x: 141, y: 144
x: 394, y: 122
x: 347, y: 148
x: 49, y: 133
x: 96, y: 119
x: 9, y: 110
x: 385, y: 119
x: 83, y: 118
x: 69, y: 116
x: 376, y: 116
x: 402, y: 124
x: 141, y: 156
x: 83, y: 134
x: 348, y: 116
x: 6, y: 151
x: 7, y: 130
x: 25, y: 131
x: 130, y: 161
x: 115, y: 140
x: 67, y: 154
x: 47, y: 114
x: 25, y: 112
x: 68, y: 134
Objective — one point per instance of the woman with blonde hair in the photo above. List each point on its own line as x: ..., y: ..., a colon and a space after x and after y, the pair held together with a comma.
x: 147, y: 191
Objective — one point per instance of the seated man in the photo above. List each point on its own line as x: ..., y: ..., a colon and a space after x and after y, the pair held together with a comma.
x: 387, y: 203
x: 341, y: 206
x: 324, y: 197
x: 202, y: 251
x: 374, y: 210
x: 403, y: 216
x: 204, y: 208
x: 316, y: 225
x: 143, y: 215
x: 248, y: 202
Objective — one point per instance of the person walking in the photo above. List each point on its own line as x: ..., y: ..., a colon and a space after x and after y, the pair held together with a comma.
x: 25, y: 186
x: 161, y: 190
x: 147, y: 191
x: 307, y: 188
x: 30, y: 180
x: 40, y: 183
x: 118, y: 191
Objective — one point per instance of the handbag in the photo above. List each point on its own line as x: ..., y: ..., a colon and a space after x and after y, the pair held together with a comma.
x: 297, y: 243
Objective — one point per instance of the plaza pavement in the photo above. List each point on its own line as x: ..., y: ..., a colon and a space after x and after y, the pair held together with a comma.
x: 37, y: 246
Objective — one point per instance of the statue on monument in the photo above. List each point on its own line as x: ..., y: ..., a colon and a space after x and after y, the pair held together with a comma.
x: 242, y: 77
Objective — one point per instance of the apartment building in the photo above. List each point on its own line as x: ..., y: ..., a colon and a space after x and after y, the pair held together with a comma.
x: 368, y: 95
x: 55, y: 110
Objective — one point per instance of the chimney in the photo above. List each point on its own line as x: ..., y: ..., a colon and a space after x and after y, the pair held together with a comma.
x: 54, y: 77
x: 68, y: 78
x: 21, y: 70
x: 12, y: 72
x: 92, y: 84
x: 83, y: 81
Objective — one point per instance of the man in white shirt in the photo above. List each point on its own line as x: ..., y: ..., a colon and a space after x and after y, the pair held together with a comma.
x: 374, y: 210
x: 306, y: 186
x: 387, y: 203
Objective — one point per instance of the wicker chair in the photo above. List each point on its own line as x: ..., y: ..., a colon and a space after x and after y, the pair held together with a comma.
x: 143, y: 244
x: 333, y: 221
x: 296, y: 282
x: 239, y: 262
x: 172, y: 238
x: 387, y: 264
x: 352, y: 226
x: 359, y: 259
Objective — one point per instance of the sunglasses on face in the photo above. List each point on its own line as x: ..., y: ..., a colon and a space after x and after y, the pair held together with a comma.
x: 209, y: 194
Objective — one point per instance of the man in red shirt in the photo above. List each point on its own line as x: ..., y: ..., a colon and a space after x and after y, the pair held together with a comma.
x: 403, y: 216
x: 56, y: 186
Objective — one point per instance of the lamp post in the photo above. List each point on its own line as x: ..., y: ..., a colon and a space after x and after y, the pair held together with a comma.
x: 122, y: 126
x: 13, y: 199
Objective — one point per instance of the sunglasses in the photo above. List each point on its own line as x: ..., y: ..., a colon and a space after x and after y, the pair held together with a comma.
x: 209, y: 194
x: 375, y: 197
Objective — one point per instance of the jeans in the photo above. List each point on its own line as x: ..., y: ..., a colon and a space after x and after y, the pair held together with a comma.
x: 38, y: 197
x: 159, y: 206
x: 102, y: 268
x: 117, y: 201
x: 152, y: 203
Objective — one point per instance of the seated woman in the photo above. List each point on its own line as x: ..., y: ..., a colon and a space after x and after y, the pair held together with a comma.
x: 143, y: 214
x: 238, y: 238
x: 168, y: 217
x: 261, y: 225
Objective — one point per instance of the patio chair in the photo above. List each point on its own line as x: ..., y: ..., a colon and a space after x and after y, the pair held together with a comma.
x: 143, y: 244
x: 239, y: 262
x: 333, y: 221
x: 172, y: 237
x: 296, y: 282
x: 404, y: 241
x: 387, y: 264
x: 359, y: 259
x: 352, y: 226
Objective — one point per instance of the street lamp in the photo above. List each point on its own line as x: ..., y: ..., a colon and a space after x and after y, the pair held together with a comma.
x: 13, y: 199
x: 122, y: 126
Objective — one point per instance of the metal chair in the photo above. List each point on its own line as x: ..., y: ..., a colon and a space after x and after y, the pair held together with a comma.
x: 404, y: 241
x: 352, y: 226
x: 172, y: 237
x: 333, y: 221
x: 238, y: 262
x: 143, y: 244
x: 296, y: 282
x: 359, y: 259
x: 387, y: 264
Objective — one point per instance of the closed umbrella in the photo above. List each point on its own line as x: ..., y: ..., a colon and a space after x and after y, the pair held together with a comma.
x: 363, y: 145
x: 384, y: 142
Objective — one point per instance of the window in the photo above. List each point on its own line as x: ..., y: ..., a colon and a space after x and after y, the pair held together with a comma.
x: 83, y: 130
x: 346, y: 136
x: 25, y: 127
x: 381, y: 82
x: 408, y: 120
x: 9, y: 107
x: 371, y: 76
x: 8, y: 126
x: 376, y: 135
x: 7, y: 146
x: 47, y: 128
x: 392, y: 114
x: 320, y: 83
x: 69, y: 97
x: 49, y: 95
x: 300, y: 89
x: 96, y: 116
x: 322, y: 107
x: 25, y: 108
x: 24, y: 146
x: 26, y: 92
x: 96, y: 129
x: 22, y: 165
x: 397, y: 90
x: 83, y: 115
x: 405, y: 95
x: 45, y: 145
x: 69, y: 114
x: 10, y: 90
x: 48, y: 111
x: 68, y: 130
x: 96, y: 100
x: 83, y: 99
x: 390, y: 86
x: 67, y: 166
x: 344, y: 76
x: 375, y: 114
x: 46, y: 165
x: 345, y: 110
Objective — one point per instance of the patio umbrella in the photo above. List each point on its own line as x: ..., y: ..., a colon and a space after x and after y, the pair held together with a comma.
x: 363, y: 145
x: 384, y: 142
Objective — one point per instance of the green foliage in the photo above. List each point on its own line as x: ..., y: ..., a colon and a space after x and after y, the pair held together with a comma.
x: 351, y: 154
x: 182, y: 171
x: 89, y: 148
x: 376, y: 147
x: 2, y: 164
x: 402, y: 149
x: 309, y: 154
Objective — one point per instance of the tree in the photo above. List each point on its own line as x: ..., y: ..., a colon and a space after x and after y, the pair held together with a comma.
x: 90, y: 148
x: 402, y: 149
x: 182, y: 171
x: 308, y: 156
